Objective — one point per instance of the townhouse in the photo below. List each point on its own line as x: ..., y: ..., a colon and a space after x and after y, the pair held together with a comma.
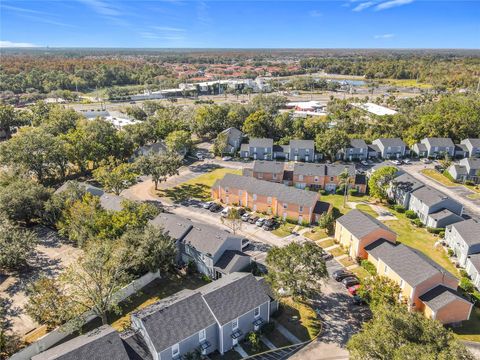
x: 434, y: 147
x: 473, y: 147
x: 401, y: 188
x: 357, y: 150
x: 266, y: 170
x: 257, y: 148
x: 464, y: 239
x: 356, y: 230
x: 108, y: 201
x: 214, y: 252
x: 302, y: 150
x: 434, y: 208
x: 391, y: 148
x: 263, y: 149
x: 289, y: 203
x: 425, y: 286
x: 467, y: 169
x: 233, y: 139
x: 472, y: 267
x: 213, y: 317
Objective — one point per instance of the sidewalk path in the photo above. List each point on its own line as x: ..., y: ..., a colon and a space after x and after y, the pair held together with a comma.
x: 283, y: 330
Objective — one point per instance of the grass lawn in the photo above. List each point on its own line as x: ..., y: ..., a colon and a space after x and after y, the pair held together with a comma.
x: 316, y: 234
x: 284, y: 229
x: 408, y: 83
x: 420, y: 239
x: 337, y: 201
x: 229, y: 355
x: 278, y: 339
x: 305, y: 325
x: 361, y: 272
x: 326, y: 243
x: 367, y: 209
x: 248, y: 348
x: 435, y: 175
x: 197, y: 188
x: 470, y: 330
x: 337, y: 252
x: 347, y: 261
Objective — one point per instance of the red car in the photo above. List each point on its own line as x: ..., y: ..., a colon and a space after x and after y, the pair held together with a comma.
x: 353, y: 289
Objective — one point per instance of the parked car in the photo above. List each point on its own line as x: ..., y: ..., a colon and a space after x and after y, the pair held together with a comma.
x: 426, y: 161
x: 200, y: 156
x: 215, y: 208
x: 225, y: 211
x: 397, y: 162
x: 439, y: 168
x: 269, y: 224
x: 253, y: 219
x: 246, y: 217
x: 353, y: 289
x: 326, y: 256
x: 350, y: 281
x: 407, y: 161
x: 226, y: 158
x: 357, y: 300
x: 260, y: 222
x: 208, y: 204
x: 245, y: 243
x: 364, y: 163
x: 341, y: 274
x: 241, y: 211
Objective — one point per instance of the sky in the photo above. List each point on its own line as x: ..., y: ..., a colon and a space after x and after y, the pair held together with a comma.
x: 241, y: 24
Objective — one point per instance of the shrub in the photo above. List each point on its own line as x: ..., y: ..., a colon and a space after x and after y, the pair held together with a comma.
x: 463, y: 274
x: 475, y: 297
x: 191, y: 267
x: 339, y: 191
x: 442, y: 234
x: 322, y: 192
x: 467, y: 285
x: 206, y: 278
x: 450, y: 252
x: 470, y: 183
x: 367, y: 265
x: 399, y: 208
x: 434, y: 230
x: 410, y: 214
x: 353, y: 192
x: 417, y: 222
x: 254, y: 339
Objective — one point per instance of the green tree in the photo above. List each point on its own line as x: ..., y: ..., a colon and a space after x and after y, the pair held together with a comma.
x: 380, y: 181
x: 159, y: 166
x: 395, y: 333
x: 17, y: 244
x: 296, y: 268
x: 179, y: 141
x: 344, y: 180
x: 9, y: 341
x: 268, y: 103
x: 115, y: 178
x: 331, y: 142
x: 254, y: 340
x: 233, y: 220
x: 220, y: 144
x: 258, y: 125
x: 10, y: 119
x: 379, y: 290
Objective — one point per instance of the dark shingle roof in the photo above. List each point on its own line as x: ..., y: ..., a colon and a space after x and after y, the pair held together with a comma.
x: 469, y: 230
x: 302, y: 144
x: 361, y: 179
x: 361, y: 224
x: 108, y: 201
x: 311, y: 169
x: 407, y: 183
x: 261, y: 142
x: 429, y: 196
x: 281, y: 192
x: 208, y: 239
x: 358, y: 143
x: 386, y: 142
x: 475, y: 260
x: 135, y: 345
x: 421, y: 147
x: 461, y: 170
x: 176, y: 226
x: 473, y: 141
x: 233, y: 295
x: 444, y: 214
x: 439, y: 142
x: 229, y: 260
x: 103, y: 343
x: 268, y: 166
x: 461, y: 147
x: 373, y: 148
x: 440, y: 296
x: 472, y: 163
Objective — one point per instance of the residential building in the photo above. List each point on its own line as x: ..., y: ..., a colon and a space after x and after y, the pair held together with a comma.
x: 436, y: 147
x: 401, y: 188
x: 302, y: 150
x: 468, y: 169
x: 434, y: 208
x: 357, y: 150
x: 108, y: 201
x: 420, y: 150
x: 425, y: 285
x: 391, y: 148
x: 268, y: 197
x: 464, y: 239
x: 257, y: 149
x: 356, y: 230
x: 374, y: 151
x: 266, y: 170
x: 472, y: 267
x: 213, y: 317
x: 473, y: 147
x: 234, y: 140
x: 461, y: 151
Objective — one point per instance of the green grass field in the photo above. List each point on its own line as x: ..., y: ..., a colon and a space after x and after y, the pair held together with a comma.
x: 284, y: 229
x: 367, y: 209
x: 306, y: 326
x: 408, y: 83
x: 316, y: 234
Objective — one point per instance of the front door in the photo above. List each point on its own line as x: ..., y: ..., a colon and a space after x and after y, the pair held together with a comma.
x: 234, y: 342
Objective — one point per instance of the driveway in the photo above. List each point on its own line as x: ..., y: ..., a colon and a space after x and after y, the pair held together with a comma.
x: 458, y: 193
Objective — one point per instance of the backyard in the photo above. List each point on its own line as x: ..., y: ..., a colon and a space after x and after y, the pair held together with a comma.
x: 299, y: 318
x: 284, y: 229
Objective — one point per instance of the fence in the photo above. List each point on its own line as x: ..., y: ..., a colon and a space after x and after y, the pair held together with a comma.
x: 57, y: 335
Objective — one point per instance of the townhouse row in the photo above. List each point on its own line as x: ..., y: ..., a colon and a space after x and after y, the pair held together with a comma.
x: 425, y: 285
x: 214, y: 317
x: 286, y: 202
x: 307, y: 175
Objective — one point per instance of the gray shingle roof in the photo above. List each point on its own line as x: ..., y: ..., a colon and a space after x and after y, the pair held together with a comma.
x: 268, y: 166
x: 373, y: 148
x: 439, y: 142
x: 407, y: 183
x: 229, y: 260
x: 475, y: 260
x: 176, y: 226
x: 472, y: 163
x: 175, y: 318
x: 108, y: 201
x: 429, y: 196
x: 361, y: 224
x: 461, y: 170
x: 336, y: 169
x: 135, y: 345
x: 302, y: 144
x: 421, y: 147
x: 261, y: 142
x: 469, y: 230
x: 358, y: 143
x: 413, y: 267
x: 386, y: 142
x: 283, y: 193
x: 443, y: 214
x: 461, y: 147
x: 440, y: 296
x: 208, y: 239
x: 312, y: 169
x: 103, y: 343
x: 473, y: 141
x: 233, y: 295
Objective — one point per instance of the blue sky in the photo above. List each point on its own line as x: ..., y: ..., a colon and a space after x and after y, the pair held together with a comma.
x: 241, y: 24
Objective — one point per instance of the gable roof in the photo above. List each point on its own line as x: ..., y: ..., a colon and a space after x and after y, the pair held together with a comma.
x: 268, y: 166
x: 302, y: 144
x: 440, y: 142
x: 312, y: 169
x: 103, y: 343
x: 469, y: 230
x: 229, y: 260
x: 357, y: 143
x: 407, y: 183
x: 283, y: 193
x: 176, y: 226
x: 232, y: 133
x: 208, y: 239
x: 361, y: 224
x: 440, y: 296
x: 471, y: 163
x: 107, y: 201
x: 386, y: 142
x: 474, y: 142
x: 475, y: 260
x: 420, y: 146
x: 233, y: 295
x: 261, y: 142
x: 429, y: 196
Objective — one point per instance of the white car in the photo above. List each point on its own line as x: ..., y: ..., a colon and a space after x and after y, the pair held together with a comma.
x: 200, y: 156
x: 260, y: 222
x: 397, y: 162
x: 426, y: 161
x: 245, y: 217
x: 227, y: 158
x: 406, y: 161
x: 225, y: 211
x: 364, y: 162
x: 207, y: 204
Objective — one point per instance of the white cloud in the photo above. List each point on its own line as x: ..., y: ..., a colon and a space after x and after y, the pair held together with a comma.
x: 168, y: 29
x: 315, y: 13
x: 363, y: 6
x: 384, y: 36
x: 102, y: 7
x: 7, y: 44
x: 22, y: 10
x: 391, y: 4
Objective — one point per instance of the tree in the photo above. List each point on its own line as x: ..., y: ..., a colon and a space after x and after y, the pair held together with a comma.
x: 10, y: 119
x: 220, y: 144
x: 269, y: 103
x: 9, y: 341
x: 380, y: 181
x: 395, y: 333
x: 179, y: 141
x: 331, y: 142
x: 115, y: 178
x: 258, y: 125
x: 327, y: 221
x: 296, y: 268
x: 254, y: 340
x: 344, y: 180
x: 233, y: 220
x: 16, y: 243
x: 446, y: 161
x: 93, y: 281
x: 159, y: 166
x: 379, y: 290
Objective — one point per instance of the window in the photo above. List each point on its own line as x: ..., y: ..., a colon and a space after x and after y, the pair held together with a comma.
x: 296, y: 151
x: 175, y: 350
x: 256, y: 312
x: 269, y: 200
x: 385, y: 269
x: 235, y: 324
x: 274, y: 176
x: 285, y: 205
x: 307, y: 151
x: 254, y: 196
x: 239, y: 192
x: 315, y: 179
x: 300, y: 177
x: 300, y: 208
x: 331, y: 178
x: 202, y: 335
x: 401, y: 283
x: 266, y: 150
x: 226, y: 189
